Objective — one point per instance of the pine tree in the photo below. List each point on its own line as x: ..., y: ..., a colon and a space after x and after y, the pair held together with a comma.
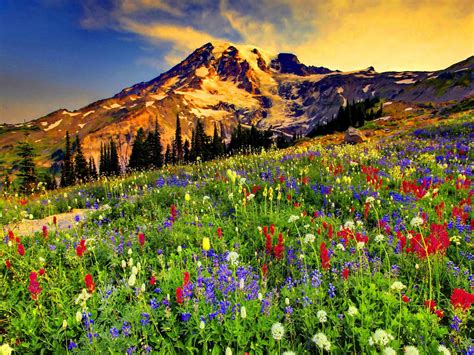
x: 92, y: 169
x: 178, y: 142
x: 26, y: 167
x: 217, y: 145
x: 102, y: 160
x: 114, y: 160
x: 80, y: 163
x: 168, y: 155
x: 138, y: 158
x: 157, y: 148
x: 67, y: 175
x: 186, y: 151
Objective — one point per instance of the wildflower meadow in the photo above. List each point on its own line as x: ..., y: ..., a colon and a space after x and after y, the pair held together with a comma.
x: 361, y: 249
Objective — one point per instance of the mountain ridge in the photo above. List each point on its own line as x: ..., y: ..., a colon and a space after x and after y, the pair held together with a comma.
x: 226, y: 84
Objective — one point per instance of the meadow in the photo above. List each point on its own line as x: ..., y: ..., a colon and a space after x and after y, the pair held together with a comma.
x: 313, y: 249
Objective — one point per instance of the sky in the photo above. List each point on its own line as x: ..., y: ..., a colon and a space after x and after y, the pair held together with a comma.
x: 68, y: 53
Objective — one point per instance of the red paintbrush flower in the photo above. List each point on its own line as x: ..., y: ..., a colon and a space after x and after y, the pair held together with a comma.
x: 268, y: 244
x: 81, y: 248
x: 405, y: 298
x: 345, y: 274
x: 279, y: 248
x: 265, y: 270
x: 186, y: 278
x: 45, y: 232
x: 41, y: 271
x: 179, y: 295
x: 55, y: 220
x: 141, y: 239
x: 90, y: 285
x: 8, y: 264
x: 431, y: 304
x: 272, y: 229
x: 11, y: 235
x: 152, y: 280
x: 324, y: 256
x: 439, y: 313
x: 219, y: 232
x: 34, y: 286
x: 462, y: 299
x: 20, y: 249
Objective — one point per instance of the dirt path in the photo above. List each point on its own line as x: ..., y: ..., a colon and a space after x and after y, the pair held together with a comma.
x: 63, y: 221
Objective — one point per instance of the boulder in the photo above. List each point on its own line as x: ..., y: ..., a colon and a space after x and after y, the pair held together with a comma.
x: 353, y: 136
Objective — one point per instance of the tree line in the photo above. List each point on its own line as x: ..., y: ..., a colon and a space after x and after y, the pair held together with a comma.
x: 147, y: 153
x: 354, y: 114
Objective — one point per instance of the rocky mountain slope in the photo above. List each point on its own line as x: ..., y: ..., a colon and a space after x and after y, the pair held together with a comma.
x: 226, y: 84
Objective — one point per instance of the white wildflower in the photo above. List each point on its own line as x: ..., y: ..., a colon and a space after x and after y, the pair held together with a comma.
x: 228, y: 351
x: 132, y: 279
x: 416, y: 222
x: 379, y: 238
x: 380, y: 337
x: 278, y: 331
x: 444, y: 350
x: 349, y: 225
x: 322, y: 341
x: 389, y: 351
x: 340, y: 246
x: 322, y: 316
x: 293, y: 218
x: 352, y: 311
x: 397, y: 286
x: 369, y: 199
x: 232, y: 258
x: 309, y: 238
x: 202, y: 325
x: 360, y: 245
x: 410, y: 350
x: 243, y: 312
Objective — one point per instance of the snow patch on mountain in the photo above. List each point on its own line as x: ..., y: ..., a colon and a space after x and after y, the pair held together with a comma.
x: 72, y: 114
x: 406, y: 81
x: 88, y: 113
x: 53, y: 125
x: 81, y: 125
x: 366, y: 88
x: 149, y: 103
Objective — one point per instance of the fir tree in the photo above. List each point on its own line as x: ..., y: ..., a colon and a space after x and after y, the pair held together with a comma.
x: 178, y: 142
x: 186, y: 151
x: 26, y: 166
x: 114, y: 160
x: 102, y: 160
x: 217, y: 145
x: 139, y: 157
x: 80, y: 163
x: 67, y: 173
x: 92, y: 169
x: 154, y: 147
x: 168, y: 155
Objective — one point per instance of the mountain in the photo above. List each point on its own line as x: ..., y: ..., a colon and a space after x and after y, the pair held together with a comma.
x: 226, y: 84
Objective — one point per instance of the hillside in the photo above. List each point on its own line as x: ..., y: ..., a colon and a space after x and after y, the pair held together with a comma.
x: 226, y: 84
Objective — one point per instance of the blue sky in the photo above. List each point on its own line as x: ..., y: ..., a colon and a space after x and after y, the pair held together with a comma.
x: 67, y: 53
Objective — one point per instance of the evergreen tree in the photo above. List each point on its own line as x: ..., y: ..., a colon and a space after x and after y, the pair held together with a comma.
x: 217, y: 145
x: 26, y: 166
x: 67, y: 175
x: 168, y: 155
x: 156, y: 149
x: 186, y: 151
x: 102, y: 160
x: 80, y: 163
x: 114, y: 160
x: 139, y: 157
x: 92, y: 169
x: 178, y: 142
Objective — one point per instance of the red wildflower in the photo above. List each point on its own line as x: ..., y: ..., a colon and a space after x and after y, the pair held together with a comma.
x: 345, y: 273
x: 141, y: 239
x: 11, y: 235
x: 272, y: 229
x: 34, y: 287
x: 41, y: 272
x: 174, y: 213
x: 265, y: 230
x: 462, y: 299
x: 219, y: 232
x: 366, y: 210
x: 89, y: 283
x: 179, y: 295
x: 268, y: 244
x: 265, y: 270
x: 431, y: 304
x: 45, y: 232
x: 81, y: 248
x: 324, y: 256
x: 152, y: 280
x: 405, y: 298
x: 21, y: 249
x: 279, y: 248
x: 8, y: 264
x: 55, y: 220
x: 439, y: 313
x: 186, y: 278
x: 330, y: 233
